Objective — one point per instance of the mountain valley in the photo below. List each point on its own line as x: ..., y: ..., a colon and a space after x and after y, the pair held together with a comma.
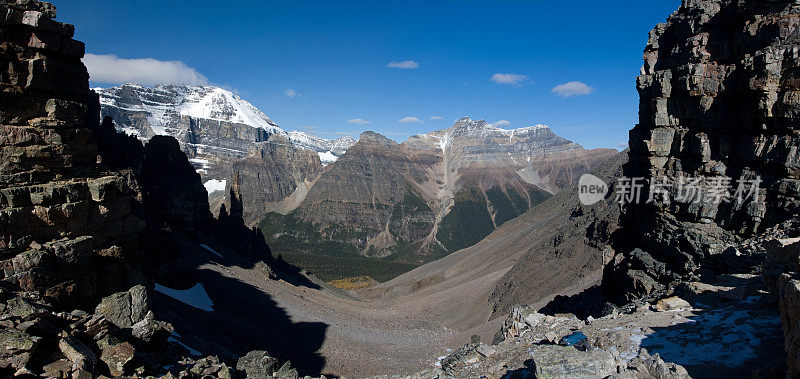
x: 177, y: 231
x: 345, y: 208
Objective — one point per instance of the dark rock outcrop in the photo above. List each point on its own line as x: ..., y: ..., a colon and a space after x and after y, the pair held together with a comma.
x: 718, y: 97
x: 68, y: 227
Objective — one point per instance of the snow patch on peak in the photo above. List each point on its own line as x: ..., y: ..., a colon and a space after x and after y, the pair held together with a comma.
x: 219, y: 104
x: 335, y: 147
x: 163, y: 103
x: 327, y: 158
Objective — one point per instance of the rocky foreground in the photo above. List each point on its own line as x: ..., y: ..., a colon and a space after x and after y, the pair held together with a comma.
x: 731, y: 326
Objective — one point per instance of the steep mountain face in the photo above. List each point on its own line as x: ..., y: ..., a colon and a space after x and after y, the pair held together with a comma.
x: 274, y: 176
x: 213, y: 126
x: 170, y: 110
x: 719, y: 103
x: 536, y: 154
x: 429, y: 196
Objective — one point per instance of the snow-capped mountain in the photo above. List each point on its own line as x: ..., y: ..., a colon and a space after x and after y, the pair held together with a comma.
x: 214, y: 126
x: 329, y: 150
x: 165, y: 105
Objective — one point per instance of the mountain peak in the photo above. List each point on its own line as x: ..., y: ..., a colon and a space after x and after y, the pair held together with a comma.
x: 163, y: 102
x: 372, y: 137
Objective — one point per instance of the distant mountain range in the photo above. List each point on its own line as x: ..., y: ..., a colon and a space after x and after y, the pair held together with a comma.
x: 356, y: 201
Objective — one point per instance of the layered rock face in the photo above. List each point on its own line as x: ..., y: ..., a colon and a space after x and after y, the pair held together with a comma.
x: 274, y: 176
x: 87, y: 212
x: 719, y: 100
x: 61, y: 212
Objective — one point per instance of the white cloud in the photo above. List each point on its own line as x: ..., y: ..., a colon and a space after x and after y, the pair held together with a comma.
x: 437, y: 118
x: 502, y: 124
x: 572, y: 89
x: 409, y: 120
x: 292, y: 93
x: 148, y: 71
x: 510, y: 79
x: 359, y: 121
x: 403, y: 64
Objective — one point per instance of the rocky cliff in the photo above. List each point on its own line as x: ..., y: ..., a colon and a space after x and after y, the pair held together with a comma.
x: 719, y: 104
x: 61, y: 211
x: 273, y: 177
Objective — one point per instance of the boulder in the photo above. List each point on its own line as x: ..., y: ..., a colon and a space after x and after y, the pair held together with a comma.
x: 653, y: 367
x: 78, y: 353
x: 61, y: 368
x: 258, y: 364
x: 125, y: 309
x: 672, y: 304
x: 17, y: 348
x: 117, y: 356
x: 286, y: 372
x: 485, y: 350
x: 785, y: 251
x: 151, y: 330
x: 534, y: 319
x: 553, y: 361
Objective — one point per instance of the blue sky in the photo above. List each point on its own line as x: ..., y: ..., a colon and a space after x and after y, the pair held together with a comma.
x: 334, y: 56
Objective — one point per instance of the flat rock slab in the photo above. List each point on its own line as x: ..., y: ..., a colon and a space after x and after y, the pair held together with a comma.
x: 553, y: 361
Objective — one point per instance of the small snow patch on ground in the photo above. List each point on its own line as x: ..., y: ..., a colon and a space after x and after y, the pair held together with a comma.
x: 212, y: 251
x: 215, y: 185
x: 195, y: 296
x: 174, y: 338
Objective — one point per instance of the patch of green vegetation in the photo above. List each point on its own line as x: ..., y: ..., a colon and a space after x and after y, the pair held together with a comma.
x: 504, y: 208
x: 288, y: 233
x: 510, y: 204
x: 329, y: 268
x: 468, y: 221
x: 410, y: 253
x: 519, y: 201
x: 538, y: 195
x: 325, y: 252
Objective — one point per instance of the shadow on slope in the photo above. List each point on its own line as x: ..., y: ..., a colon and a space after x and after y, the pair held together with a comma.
x: 244, y: 318
x: 741, y: 340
